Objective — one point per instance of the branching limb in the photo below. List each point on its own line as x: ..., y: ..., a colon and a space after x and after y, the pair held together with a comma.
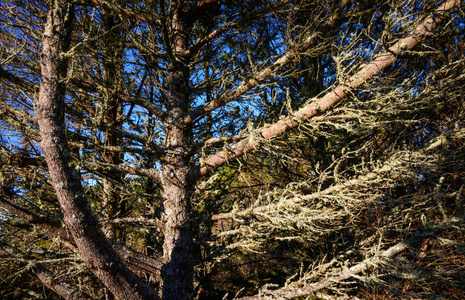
x: 316, y: 195
x: 140, y: 220
x: 150, y: 18
x: 16, y: 80
x: 54, y: 227
x: 248, y: 18
x: 62, y: 289
x: 47, y: 279
x: 137, y: 100
x: 323, y: 104
x: 269, y: 71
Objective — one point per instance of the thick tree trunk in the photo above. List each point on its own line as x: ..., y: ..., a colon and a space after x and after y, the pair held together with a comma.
x: 177, y: 273
x: 95, y: 249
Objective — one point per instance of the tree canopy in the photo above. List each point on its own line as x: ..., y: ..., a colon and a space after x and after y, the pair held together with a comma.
x: 263, y: 149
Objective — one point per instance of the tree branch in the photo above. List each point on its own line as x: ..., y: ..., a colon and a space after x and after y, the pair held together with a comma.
x: 120, y: 168
x: 61, y: 289
x: 16, y: 80
x: 323, y: 104
x: 112, y: 6
x: 142, y: 102
x: 358, y: 268
x: 54, y: 227
x: 134, y: 259
x: 47, y: 279
x: 248, y: 18
x: 269, y: 71
x: 312, y: 196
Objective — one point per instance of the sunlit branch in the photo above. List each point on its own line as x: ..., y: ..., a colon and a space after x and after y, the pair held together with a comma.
x: 89, y: 145
x: 323, y: 104
x: 139, y: 220
x: 249, y: 84
x: 313, y: 196
x: 212, y: 142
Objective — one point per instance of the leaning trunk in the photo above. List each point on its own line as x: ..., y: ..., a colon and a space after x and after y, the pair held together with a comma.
x: 95, y: 249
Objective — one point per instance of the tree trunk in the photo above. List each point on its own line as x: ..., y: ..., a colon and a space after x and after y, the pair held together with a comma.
x: 113, y: 202
x: 177, y: 273
x: 95, y: 249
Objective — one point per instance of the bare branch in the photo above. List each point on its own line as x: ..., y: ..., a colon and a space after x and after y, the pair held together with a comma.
x: 61, y: 289
x: 248, y: 18
x: 121, y: 168
x: 54, y: 227
x: 48, y: 279
x: 142, y: 102
x: 124, y: 12
x: 16, y: 80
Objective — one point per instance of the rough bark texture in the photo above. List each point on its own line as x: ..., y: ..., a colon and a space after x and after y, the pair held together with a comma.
x: 95, y: 249
x: 177, y: 273
x: 177, y: 177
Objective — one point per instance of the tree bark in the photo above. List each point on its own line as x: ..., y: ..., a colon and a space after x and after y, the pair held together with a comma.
x: 95, y: 249
x: 177, y: 272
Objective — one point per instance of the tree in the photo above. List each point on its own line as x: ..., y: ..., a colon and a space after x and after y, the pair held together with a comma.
x: 159, y: 143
